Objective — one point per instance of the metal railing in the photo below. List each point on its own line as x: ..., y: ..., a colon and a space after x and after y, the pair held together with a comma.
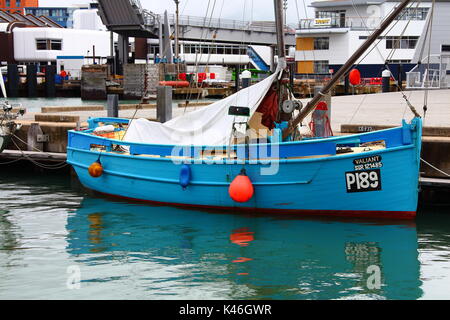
x: 432, y: 76
x: 347, y: 22
x: 152, y: 20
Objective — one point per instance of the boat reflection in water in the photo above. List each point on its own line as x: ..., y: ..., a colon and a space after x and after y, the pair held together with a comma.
x: 177, y: 253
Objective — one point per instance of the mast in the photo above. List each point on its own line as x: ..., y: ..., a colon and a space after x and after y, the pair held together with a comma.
x: 177, y: 14
x: 344, y: 69
x: 279, y: 21
x: 282, y: 64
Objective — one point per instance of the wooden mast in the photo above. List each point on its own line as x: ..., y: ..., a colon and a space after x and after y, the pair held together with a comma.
x: 279, y: 21
x: 344, y: 69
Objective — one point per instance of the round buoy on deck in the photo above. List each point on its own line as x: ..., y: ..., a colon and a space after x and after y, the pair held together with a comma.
x: 354, y: 77
x: 96, y: 169
x: 241, y: 189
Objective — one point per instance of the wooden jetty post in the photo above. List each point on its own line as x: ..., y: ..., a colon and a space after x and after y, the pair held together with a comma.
x: 50, y: 87
x: 13, y: 81
x: 32, y: 81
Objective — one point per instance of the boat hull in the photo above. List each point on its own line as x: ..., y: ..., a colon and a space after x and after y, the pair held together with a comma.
x: 333, y: 185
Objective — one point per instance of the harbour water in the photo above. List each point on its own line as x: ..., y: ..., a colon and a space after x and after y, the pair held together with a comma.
x: 59, y: 242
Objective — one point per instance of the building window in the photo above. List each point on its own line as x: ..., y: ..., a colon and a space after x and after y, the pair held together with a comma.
x: 56, y: 45
x: 321, y: 43
x: 413, y: 14
x: 337, y: 17
x: 445, y: 48
x: 321, y: 67
x: 41, y: 44
x: 8, y: 3
x: 47, y: 44
x: 18, y: 4
x: 401, y: 42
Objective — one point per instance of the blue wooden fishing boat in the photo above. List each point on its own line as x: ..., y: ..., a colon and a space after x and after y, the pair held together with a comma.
x: 371, y: 179
x: 372, y: 174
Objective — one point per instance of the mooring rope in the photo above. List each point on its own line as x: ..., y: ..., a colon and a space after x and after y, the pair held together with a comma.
x: 57, y: 166
x: 435, y: 168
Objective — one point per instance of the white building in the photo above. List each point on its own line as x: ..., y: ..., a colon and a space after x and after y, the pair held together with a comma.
x: 44, y: 45
x: 327, y: 40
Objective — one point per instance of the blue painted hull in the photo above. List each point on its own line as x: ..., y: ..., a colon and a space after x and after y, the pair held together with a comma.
x: 316, y: 186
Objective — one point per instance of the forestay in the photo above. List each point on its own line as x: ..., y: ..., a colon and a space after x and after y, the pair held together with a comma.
x: 210, y: 126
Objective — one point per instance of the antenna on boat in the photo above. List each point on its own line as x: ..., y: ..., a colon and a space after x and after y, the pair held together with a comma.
x: 344, y: 69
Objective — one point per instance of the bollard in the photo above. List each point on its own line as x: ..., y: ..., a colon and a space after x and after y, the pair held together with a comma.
x: 32, y: 81
x: 13, y: 81
x: 322, y: 116
x: 386, y: 80
x: 326, y: 98
x: 164, y: 104
x: 113, y: 106
x: 246, y: 77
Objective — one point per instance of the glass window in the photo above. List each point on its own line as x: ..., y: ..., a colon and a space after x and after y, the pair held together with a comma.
x: 41, y: 44
x: 445, y: 48
x: 321, y: 43
x: 401, y: 42
x: 413, y: 14
x: 46, y: 44
x: 55, y: 44
x: 321, y: 67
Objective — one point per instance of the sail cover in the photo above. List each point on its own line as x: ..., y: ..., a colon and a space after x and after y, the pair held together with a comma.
x: 211, y: 126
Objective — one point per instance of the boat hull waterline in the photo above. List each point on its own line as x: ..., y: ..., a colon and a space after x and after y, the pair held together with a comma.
x: 376, y: 183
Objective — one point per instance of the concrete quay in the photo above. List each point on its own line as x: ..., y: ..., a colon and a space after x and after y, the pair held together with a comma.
x: 349, y: 115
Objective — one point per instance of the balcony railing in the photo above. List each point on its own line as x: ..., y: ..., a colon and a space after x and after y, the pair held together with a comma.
x: 356, y: 23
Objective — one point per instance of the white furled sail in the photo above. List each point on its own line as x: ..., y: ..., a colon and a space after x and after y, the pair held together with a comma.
x: 211, y: 126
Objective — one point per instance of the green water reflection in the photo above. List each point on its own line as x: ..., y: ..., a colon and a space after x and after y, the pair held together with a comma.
x: 133, y: 251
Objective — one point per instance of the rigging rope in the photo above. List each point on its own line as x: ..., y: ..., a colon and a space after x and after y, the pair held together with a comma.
x: 56, y: 166
x: 425, y: 102
x: 411, y: 107
x: 435, y: 168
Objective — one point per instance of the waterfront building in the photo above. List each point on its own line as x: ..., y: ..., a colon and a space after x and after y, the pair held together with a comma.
x: 14, y: 6
x: 61, y: 15
x: 44, y: 45
x: 324, y: 42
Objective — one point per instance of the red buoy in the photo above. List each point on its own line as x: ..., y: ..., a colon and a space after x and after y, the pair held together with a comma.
x: 175, y: 84
x: 96, y: 169
x: 241, y: 189
x: 354, y: 77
